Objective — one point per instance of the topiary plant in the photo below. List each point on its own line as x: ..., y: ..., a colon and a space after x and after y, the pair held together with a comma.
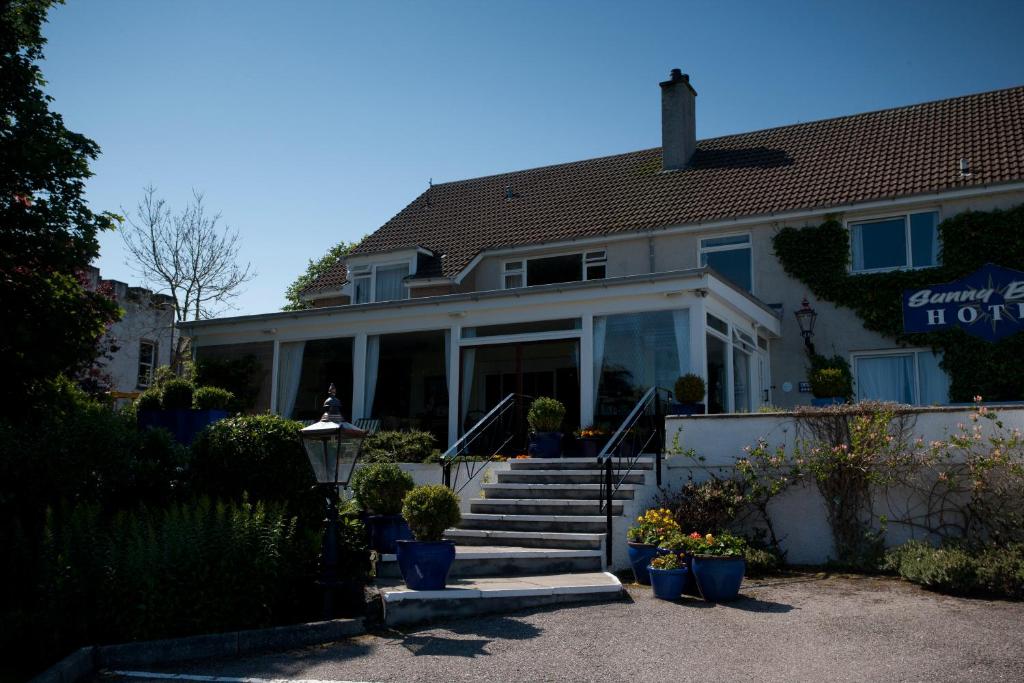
x: 430, y: 510
x: 829, y: 382
x: 177, y: 394
x: 212, y: 398
x: 381, y: 487
x: 546, y: 415
x: 690, y: 388
x: 148, y: 400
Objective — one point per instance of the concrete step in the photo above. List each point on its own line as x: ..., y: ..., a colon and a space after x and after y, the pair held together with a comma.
x: 539, y: 506
x: 589, y: 492
x: 474, y: 561
x: 566, y: 477
x: 535, y: 524
x: 526, y: 539
x: 646, y: 462
x: 495, y: 595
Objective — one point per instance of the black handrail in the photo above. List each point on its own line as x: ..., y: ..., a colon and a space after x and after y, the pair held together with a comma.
x: 642, y: 429
x: 491, y: 434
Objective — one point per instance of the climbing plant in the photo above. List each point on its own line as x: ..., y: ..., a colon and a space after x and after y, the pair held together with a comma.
x: 819, y: 257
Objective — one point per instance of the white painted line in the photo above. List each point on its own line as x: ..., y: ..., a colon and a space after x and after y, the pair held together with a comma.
x: 220, y: 679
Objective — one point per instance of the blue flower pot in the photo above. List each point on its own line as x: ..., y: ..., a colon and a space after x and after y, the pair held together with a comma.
x: 690, y: 585
x: 718, y: 578
x: 640, y: 556
x: 425, y: 565
x: 545, y: 445
x: 668, y: 583
x: 386, y: 531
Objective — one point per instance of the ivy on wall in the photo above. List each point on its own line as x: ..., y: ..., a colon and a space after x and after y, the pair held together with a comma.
x: 819, y: 257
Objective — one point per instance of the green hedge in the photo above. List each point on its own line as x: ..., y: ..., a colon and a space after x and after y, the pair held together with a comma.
x: 393, y: 446
x: 960, y: 570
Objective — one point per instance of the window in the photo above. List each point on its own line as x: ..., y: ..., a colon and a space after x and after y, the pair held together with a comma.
x: 379, y: 283
x: 147, y: 361
x: 362, y: 281
x: 730, y: 256
x: 912, y: 377
x: 908, y: 241
x: 549, y: 270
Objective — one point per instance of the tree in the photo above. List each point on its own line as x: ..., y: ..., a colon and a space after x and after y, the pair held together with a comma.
x: 187, y: 255
x: 313, y: 271
x: 51, y: 323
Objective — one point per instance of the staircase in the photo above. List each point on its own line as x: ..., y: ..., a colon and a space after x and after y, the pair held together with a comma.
x: 535, y: 537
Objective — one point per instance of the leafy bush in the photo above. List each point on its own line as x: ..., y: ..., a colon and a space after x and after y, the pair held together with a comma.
x: 830, y: 382
x: 381, y: 487
x: 148, y: 400
x: 177, y: 395
x: 430, y: 510
x: 212, y: 398
x: 690, y: 388
x: 240, y: 376
x: 961, y: 570
x: 546, y: 415
x: 710, y: 506
x: 394, y: 446
x: 761, y: 561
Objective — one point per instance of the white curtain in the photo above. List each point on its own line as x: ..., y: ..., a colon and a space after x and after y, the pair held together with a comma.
x: 740, y: 380
x: 372, y: 362
x: 934, y: 380
x: 886, y: 378
x: 389, y: 283
x: 857, y: 242
x: 468, y: 363
x: 600, y: 332
x: 681, y: 321
x: 289, y: 373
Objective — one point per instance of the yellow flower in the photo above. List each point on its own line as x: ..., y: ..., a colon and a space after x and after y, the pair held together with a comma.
x: 709, y: 538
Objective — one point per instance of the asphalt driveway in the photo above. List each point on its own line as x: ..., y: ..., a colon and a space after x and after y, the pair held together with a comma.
x: 795, y: 628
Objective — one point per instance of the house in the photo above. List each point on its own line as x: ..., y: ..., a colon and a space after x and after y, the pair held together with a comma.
x: 593, y: 280
x: 137, y: 344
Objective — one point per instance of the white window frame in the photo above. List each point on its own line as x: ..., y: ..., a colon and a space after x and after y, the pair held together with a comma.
x: 152, y: 365
x: 887, y: 353
x: 589, y: 258
x: 909, y: 247
x: 369, y: 270
x: 701, y: 250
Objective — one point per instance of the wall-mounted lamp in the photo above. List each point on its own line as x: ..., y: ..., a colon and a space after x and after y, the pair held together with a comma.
x: 805, y: 318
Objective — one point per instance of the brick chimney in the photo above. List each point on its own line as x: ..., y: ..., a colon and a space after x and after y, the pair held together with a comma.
x: 678, y: 121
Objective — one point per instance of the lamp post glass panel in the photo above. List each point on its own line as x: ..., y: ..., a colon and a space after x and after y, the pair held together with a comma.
x: 332, y: 446
x: 805, y: 318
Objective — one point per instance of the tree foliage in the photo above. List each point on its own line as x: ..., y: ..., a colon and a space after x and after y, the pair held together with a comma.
x: 315, y: 269
x: 51, y: 323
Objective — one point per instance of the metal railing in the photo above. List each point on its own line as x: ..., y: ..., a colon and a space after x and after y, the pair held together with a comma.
x: 643, y: 431
x: 500, y: 431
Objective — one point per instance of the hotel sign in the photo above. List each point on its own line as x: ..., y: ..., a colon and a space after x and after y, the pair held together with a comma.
x: 988, y: 303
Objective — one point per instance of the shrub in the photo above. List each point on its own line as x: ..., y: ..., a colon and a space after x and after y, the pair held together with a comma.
x: 381, y: 487
x: 148, y: 400
x: 430, y: 510
x: 177, y: 395
x: 829, y: 382
x: 394, y: 446
x: 710, y: 506
x: 958, y: 569
x: 240, y: 376
x: 212, y: 398
x: 690, y: 388
x: 546, y: 415
x: 761, y: 561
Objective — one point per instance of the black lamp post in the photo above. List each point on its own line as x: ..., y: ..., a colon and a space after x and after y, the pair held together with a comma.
x: 805, y: 318
x: 333, y: 447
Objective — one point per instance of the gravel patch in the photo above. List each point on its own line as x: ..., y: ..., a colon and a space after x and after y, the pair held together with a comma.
x: 794, y: 628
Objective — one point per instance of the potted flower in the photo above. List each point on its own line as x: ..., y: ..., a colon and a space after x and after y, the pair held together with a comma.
x: 545, y: 417
x: 689, y: 391
x: 682, y: 545
x: 668, y: 576
x: 592, y: 439
x: 718, y: 566
x: 644, y: 537
x: 830, y: 386
x: 425, y: 562
x: 381, y: 488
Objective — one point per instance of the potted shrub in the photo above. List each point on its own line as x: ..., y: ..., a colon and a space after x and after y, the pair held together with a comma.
x: 689, y: 391
x: 209, y: 404
x: 830, y: 386
x: 718, y: 566
x: 381, y: 488
x: 644, y: 537
x: 176, y: 408
x: 592, y: 439
x: 668, y: 576
x: 545, y: 417
x: 425, y: 562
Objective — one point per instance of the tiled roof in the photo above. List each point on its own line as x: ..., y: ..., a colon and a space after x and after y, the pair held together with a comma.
x: 884, y: 154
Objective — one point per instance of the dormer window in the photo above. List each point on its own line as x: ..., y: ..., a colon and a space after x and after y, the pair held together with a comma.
x: 550, y: 270
x: 379, y: 282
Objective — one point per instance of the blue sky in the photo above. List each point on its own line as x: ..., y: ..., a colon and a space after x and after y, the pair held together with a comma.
x: 308, y: 123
